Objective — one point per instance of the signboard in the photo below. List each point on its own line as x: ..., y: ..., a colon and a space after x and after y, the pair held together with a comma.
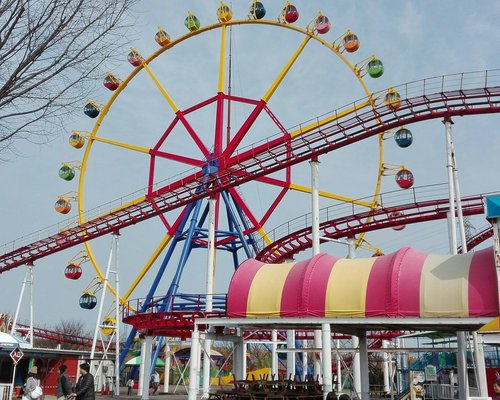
x: 430, y: 373
x: 16, y: 355
x: 492, y: 206
x: 417, y: 379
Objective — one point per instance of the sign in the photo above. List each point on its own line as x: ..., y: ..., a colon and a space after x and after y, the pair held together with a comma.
x: 417, y: 379
x: 430, y: 373
x: 16, y: 355
x: 492, y: 206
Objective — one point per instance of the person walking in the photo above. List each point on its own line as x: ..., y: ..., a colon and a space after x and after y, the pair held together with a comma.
x: 130, y: 386
x: 156, y: 381
x: 32, y: 386
x: 63, y: 384
x: 85, y: 385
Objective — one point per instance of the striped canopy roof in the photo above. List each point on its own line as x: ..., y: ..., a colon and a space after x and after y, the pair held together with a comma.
x: 407, y: 283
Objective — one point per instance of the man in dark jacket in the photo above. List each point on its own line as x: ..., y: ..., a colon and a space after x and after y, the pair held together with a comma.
x: 85, y: 384
x: 63, y: 384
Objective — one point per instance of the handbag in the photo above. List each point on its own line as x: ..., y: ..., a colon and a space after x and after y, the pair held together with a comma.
x: 36, y: 393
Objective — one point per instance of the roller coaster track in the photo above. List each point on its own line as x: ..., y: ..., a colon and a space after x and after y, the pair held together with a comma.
x: 339, y: 221
x: 60, y: 337
x: 440, y: 97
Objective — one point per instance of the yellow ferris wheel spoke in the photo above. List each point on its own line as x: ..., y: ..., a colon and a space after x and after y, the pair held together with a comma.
x: 331, y: 118
x: 222, y: 63
x: 121, y: 144
x: 333, y: 196
x: 166, y: 240
x: 285, y: 70
x: 264, y: 235
x: 160, y: 87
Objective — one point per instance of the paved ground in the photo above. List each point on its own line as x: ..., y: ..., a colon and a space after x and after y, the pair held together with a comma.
x: 179, y: 395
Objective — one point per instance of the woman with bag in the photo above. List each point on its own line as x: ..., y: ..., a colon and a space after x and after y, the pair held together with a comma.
x: 32, y: 388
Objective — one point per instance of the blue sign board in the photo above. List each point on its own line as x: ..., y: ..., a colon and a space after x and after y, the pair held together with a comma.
x: 493, y: 206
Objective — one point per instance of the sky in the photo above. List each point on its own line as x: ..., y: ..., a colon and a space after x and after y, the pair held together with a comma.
x: 415, y: 40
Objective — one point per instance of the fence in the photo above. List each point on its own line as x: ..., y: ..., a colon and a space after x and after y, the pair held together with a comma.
x: 5, y: 391
x: 435, y: 391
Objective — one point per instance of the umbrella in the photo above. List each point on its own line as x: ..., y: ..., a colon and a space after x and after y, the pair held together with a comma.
x: 184, y: 354
x: 136, y: 361
x: 8, y: 341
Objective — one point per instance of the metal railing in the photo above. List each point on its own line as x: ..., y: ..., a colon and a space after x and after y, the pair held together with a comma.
x: 5, y: 389
x: 192, y: 303
x: 385, y: 200
x: 440, y: 391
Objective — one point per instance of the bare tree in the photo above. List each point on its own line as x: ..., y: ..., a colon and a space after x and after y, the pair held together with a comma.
x: 68, y: 334
x: 50, y: 52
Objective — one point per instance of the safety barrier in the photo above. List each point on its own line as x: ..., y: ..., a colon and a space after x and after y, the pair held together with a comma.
x: 5, y: 389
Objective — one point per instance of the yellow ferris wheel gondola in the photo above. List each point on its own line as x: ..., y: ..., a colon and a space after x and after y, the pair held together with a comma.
x: 224, y: 13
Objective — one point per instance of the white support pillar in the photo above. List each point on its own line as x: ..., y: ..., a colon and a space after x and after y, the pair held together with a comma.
x: 146, y: 359
x: 30, y: 269
x: 141, y: 368
x: 463, y: 382
x: 363, y: 358
x: 112, y: 253
x: 326, y: 359
x: 386, y: 369
x: 193, y: 366
x: 451, y: 187
x: 207, y: 344
x: 244, y: 348
x: 315, y: 249
x: 290, y: 356
x: 304, y: 361
x: 117, y: 322
x: 351, y: 248
x: 166, y: 375
x: 240, y: 359
x: 391, y: 378
x: 339, y: 368
x: 315, y: 206
x: 317, y: 356
x: 27, y: 278
x: 356, y: 365
x: 274, y: 354
x: 480, y: 364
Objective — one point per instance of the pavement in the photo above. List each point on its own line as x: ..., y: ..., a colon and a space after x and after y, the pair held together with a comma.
x: 180, y: 394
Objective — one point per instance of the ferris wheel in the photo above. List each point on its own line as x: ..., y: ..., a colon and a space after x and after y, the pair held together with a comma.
x: 198, y: 122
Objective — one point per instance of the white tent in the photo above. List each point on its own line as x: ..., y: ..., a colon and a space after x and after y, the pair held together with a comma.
x: 8, y: 341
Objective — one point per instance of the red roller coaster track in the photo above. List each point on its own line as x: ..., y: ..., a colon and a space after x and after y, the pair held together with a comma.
x: 291, y: 243
x: 60, y: 337
x: 443, y: 97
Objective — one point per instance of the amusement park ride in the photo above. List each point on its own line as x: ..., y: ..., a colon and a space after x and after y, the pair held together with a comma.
x: 208, y: 208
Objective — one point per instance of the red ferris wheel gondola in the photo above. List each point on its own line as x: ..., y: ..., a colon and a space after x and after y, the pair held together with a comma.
x: 73, y: 271
x: 396, y: 215
x: 290, y: 13
x: 404, y: 178
x: 111, y: 82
